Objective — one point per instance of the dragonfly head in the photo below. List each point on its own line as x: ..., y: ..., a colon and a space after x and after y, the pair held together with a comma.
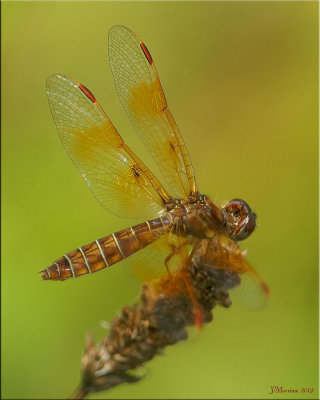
x: 240, y: 221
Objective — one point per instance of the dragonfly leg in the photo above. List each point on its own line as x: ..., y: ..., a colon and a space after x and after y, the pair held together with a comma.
x: 198, y: 319
x: 166, y: 261
x: 175, y: 250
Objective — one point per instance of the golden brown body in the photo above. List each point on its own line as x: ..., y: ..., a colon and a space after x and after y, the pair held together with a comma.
x: 107, y: 251
x: 122, y: 183
x: 182, y: 220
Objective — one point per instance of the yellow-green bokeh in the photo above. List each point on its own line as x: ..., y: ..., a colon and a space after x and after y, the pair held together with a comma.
x: 242, y: 82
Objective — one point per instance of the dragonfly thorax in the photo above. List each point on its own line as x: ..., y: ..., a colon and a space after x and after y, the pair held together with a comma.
x: 197, y: 216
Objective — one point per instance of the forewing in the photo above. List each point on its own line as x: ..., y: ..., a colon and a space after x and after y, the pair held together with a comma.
x: 252, y: 291
x: 223, y: 253
x: 142, y: 96
x: 115, y: 175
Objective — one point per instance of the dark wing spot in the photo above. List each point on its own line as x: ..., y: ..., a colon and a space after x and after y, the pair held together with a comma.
x: 173, y: 148
x: 146, y: 52
x: 87, y: 92
x: 136, y: 173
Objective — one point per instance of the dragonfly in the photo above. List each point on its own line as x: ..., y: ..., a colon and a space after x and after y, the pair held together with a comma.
x: 178, y: 219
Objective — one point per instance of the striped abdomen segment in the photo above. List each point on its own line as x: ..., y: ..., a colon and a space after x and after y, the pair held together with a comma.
x: 107, y: 251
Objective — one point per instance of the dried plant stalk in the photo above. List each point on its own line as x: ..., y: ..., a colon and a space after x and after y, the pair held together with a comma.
x: 159, y: 319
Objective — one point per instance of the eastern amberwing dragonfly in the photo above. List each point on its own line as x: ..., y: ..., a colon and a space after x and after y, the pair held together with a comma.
x: 180, y: 218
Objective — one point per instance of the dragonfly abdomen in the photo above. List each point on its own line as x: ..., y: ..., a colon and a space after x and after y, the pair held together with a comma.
x: 106, y: 251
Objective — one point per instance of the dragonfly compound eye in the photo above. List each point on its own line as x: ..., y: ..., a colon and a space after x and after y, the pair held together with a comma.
x: 240, y: 221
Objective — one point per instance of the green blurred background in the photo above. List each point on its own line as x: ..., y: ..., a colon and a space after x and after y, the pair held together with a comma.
x: 242, y: 82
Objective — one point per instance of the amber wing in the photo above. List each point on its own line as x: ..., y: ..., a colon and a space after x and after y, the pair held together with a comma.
x: 140, y: 91
x: 116, y: 176
x: 220, y: 252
